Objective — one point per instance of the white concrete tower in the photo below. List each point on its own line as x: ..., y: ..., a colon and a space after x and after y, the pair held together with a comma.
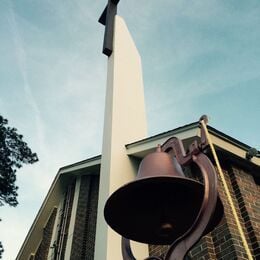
x: 124, y: 123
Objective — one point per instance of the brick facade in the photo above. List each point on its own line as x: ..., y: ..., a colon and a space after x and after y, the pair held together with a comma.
x: 247, y: 193
x: 43, y: 249
x: 83, y: 243
x: 224, y: 241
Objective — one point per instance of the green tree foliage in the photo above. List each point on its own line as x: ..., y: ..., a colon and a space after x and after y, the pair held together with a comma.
x: 14, y: 152
x: 1, y: 250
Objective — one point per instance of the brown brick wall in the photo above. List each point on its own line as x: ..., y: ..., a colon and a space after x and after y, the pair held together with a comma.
x: 77, y: 242
x: 224, y: 242
x: 228, y: 244
x: 204, y: 249
x: 83, y: 243
x: 43, y: 249
x: 247, y: 194
x: 90, y: 231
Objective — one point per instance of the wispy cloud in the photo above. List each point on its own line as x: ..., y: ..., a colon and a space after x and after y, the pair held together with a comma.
x: 22, y: 64
x: 194, y: 50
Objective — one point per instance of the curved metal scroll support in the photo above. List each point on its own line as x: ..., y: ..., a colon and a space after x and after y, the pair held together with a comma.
x: 183, y: 244
x: 126, y: 249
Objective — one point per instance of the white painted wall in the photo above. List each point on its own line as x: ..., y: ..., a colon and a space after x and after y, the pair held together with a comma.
x: 125, y: 122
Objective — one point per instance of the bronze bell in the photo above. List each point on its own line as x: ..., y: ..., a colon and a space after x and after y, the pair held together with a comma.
x: 160, y: 205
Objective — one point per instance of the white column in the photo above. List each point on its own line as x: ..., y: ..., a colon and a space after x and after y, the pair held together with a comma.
x: 125, y: 122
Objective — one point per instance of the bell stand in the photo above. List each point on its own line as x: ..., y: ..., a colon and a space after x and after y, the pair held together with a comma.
x: 180, y: 247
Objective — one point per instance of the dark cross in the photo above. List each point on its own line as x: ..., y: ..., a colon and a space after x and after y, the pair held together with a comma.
x: 107, y: 18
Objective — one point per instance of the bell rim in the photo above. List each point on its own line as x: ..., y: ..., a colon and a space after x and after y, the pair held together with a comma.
x: 180, y: 179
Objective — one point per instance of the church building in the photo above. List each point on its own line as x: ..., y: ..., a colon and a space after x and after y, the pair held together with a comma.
x: 70, y: 223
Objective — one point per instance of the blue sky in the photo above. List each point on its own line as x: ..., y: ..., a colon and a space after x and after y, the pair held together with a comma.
x: 199, y: 57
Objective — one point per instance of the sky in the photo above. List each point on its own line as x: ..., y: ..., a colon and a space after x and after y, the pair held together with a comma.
x: 198, y: 57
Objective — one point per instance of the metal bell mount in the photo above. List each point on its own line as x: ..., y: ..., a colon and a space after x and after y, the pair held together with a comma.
x: 162, y: 206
